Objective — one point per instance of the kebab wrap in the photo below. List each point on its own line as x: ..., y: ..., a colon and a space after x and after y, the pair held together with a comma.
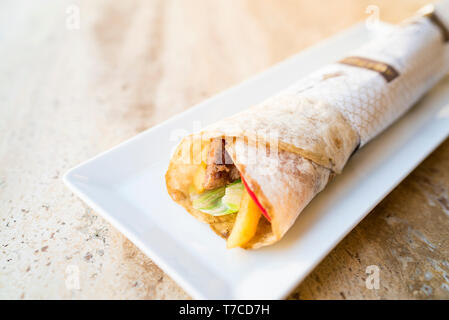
x: 250, y: 176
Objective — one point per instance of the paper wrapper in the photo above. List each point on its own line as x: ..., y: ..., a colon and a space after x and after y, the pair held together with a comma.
x: 313, y: 127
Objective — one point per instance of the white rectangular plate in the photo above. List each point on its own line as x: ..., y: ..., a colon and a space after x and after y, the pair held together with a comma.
x: 126, y: 185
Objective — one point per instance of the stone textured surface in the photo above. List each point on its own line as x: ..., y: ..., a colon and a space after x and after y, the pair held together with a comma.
x: 66, y: 95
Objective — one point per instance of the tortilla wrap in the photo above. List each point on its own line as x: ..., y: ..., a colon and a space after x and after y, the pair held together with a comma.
x: 285, y: 173
x: 289, y: 147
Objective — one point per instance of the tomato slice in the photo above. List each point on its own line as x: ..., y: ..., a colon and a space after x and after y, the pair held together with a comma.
x: 253, y: 196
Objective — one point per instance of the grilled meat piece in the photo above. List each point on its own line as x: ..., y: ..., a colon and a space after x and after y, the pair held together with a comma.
x: 220, y: 169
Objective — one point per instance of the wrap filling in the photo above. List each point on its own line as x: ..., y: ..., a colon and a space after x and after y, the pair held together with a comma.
x: 218, y: 190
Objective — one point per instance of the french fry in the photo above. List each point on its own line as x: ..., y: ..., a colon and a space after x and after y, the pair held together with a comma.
x: 245, y: 224
x: 200, y: 174
x: 198, y: 178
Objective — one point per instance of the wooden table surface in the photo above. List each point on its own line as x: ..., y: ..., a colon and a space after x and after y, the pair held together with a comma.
x: 67, y: 94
